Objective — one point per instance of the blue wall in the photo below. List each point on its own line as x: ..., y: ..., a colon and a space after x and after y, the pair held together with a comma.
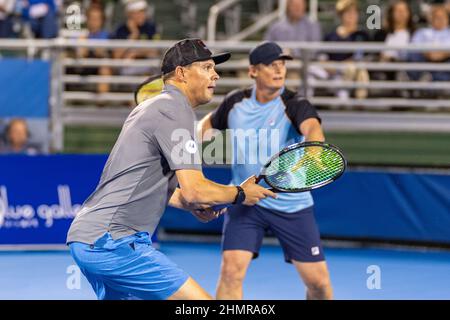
x: 40, y: 195
x: 25, y: 88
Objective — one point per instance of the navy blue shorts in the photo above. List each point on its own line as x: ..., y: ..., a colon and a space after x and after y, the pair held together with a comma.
x: 244, y: 228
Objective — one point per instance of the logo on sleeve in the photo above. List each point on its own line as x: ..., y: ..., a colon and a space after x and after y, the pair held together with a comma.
x: 191, y: 146
x: 315, y: 251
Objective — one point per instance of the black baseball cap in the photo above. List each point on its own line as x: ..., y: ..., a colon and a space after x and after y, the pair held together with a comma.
x: 266, y: 53
x: 188, y: 51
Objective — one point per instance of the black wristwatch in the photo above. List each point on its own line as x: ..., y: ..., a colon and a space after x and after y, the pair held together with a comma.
x: 240, y: 197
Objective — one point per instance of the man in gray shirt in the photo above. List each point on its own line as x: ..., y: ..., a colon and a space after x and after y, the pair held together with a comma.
x: 295, y: 27
x: 156, y: 150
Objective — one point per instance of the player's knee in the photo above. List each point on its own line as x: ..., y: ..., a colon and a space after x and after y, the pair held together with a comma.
x: 319, y: 284
x: 233, y: 272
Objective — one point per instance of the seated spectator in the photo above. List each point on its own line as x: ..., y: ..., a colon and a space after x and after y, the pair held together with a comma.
x: 296, y: 26
x: 437, y: 33
x: 17, y: 139
x: 94, y: 21
x: 137, y: 27
x: 348, y: 31
x: 398, y: 29
x: 42, y: 16
x: 6, y: 23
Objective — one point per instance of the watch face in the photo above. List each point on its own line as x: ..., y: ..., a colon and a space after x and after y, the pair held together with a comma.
x: 241, y: 196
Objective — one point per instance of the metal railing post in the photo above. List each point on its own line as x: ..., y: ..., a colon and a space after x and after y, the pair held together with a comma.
x: 56, y: 101
x: 281, y: 8
x: 213, y: 15
x: 304, y: 53
x: 313, y: 9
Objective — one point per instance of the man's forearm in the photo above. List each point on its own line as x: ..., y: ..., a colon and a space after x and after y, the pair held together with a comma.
x: 315, y: 134
x: 209, y: 193
x: 312, y: 130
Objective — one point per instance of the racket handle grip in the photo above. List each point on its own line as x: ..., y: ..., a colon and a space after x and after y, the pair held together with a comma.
x: 218, y: 207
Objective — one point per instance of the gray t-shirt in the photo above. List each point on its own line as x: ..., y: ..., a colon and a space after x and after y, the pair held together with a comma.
x: 139, y: 176
x: 303, y: 30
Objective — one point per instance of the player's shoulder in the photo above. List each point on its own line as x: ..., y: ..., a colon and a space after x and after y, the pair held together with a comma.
x: 237, y: 95
x: 219, y: 117
x: 294, y: 98
x: 163, y: 105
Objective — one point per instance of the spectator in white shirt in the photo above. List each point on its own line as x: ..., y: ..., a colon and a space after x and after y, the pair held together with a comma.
x: 399, y: 27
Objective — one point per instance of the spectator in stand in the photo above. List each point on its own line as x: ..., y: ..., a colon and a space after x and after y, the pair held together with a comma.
x: 95, y: 21
x: 137, y: 27
x: 398, y: 30
x: 348, y: 31
x: 437, y: 33
x: 296, y: 26
x: 42, y: 16
x: 17, y: 138
x: 6, y: 23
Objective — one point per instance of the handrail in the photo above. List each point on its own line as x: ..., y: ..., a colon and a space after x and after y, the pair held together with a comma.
x: 243, y: 64
x: 213, y: 14
x: 106, y: 62
x: 258, y: 25
x: 239, y: 46
x: 313, y: 9
x: 332, y: 120
x: 333, y: 46
x: 262, y: 22
x: 373, y: 103
x: 382, y: 103
x: 233, y: 82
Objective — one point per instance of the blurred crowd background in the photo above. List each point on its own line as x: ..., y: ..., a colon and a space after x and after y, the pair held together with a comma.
x: 403, y: 22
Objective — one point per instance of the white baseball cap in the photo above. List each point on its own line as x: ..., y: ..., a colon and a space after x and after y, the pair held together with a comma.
x: 135, y: 5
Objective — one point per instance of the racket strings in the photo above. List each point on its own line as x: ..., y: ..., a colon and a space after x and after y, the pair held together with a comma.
x: 304, y: 167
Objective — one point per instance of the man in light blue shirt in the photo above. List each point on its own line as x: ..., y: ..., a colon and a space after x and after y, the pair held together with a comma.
x: 262, y: 120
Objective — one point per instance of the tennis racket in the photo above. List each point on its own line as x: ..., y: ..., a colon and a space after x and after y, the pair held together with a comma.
x: 148, y: 89
x: 301, y: 167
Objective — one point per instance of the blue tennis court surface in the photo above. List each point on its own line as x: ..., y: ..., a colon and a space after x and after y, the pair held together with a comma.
x: 403, y: 274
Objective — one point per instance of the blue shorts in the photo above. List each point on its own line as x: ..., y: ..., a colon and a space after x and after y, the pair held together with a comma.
x: 128, y: 268
x: 244, y: 228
